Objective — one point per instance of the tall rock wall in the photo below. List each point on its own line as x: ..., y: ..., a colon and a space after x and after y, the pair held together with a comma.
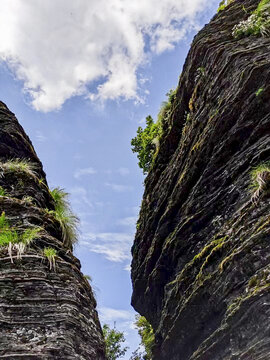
x: 201, y: 256
x: 44, y: 313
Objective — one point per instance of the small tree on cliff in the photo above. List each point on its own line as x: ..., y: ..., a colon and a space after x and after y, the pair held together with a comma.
x: 113, y: 341
x: 146, y: 143
x: 147, y: 335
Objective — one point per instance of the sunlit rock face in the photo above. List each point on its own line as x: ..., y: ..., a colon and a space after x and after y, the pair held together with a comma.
x: 201, y: 256
x: 46, y: 311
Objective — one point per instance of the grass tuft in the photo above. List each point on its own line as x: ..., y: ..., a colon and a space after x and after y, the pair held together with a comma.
x: 20, y: 165
x: 88, y: 277
x: 15, y: 240
x: 64, y: 215
x: 50, y: 254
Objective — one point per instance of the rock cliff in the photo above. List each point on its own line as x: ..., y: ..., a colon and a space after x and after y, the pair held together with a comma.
x: 201, y: 256
x: 46, y: 311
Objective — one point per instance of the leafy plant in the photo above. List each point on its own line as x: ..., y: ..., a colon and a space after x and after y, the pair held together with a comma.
x: 2, y: 191
x: 147, y: 335
x: 146, y: 143
x: 63, y: 214
x: 15, y: 240
x: 113, y: 343
x: 20, y: 165
x: 260, y: 180
x: 258, y: 23
x: 223, y: 4
x: 50, y: 254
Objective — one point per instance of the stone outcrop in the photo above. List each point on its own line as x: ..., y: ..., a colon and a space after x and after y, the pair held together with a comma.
x: 201, y: 256
x: 44, y: 313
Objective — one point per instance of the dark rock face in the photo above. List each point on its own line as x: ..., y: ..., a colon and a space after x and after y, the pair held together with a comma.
x: 201, y: 256
x: 44, y: 314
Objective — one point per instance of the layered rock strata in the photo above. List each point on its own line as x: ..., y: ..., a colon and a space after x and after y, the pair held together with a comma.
x: 45, y: 313
x: 201, y: 256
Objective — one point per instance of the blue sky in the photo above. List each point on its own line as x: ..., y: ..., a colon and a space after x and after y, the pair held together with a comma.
x: 82, y: 107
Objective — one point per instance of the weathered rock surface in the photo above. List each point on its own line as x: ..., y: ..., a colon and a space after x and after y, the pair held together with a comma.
x: 44, y: 314
x: 201, y: 256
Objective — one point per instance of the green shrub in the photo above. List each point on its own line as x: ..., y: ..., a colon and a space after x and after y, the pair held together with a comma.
x: 147, y: 335
x: 258, y: 23
x: 63, y: 214
x: 113, y: 339
x: 50, y: 254
x: 146, y: 143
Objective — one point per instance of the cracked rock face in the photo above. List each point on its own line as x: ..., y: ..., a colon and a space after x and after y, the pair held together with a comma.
x: 44, y: 314
x: 201, y: 256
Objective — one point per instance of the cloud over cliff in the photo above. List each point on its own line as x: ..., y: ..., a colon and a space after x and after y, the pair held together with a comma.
x: 63, y: 48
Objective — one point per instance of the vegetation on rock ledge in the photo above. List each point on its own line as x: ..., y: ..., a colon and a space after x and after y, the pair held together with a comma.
x: 146, y: 143
x: 223, y: 4
x: 50, y: 254
x: 64, y: 215
x: 19, y: 166
x: 16, y: 240
x: 147, y: 335
x: 258, y: 23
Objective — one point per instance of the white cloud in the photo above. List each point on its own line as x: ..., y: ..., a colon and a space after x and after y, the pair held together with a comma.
x: 109, y: 314
x: 123, y: 171
x: 63, y: 48
x: 127, y: 268
x: 128, y: 221
x: 119, y: 188
x: 114, y: 246
x: 40, y: 137
x: 86, y: 171
x: 79, y: 195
